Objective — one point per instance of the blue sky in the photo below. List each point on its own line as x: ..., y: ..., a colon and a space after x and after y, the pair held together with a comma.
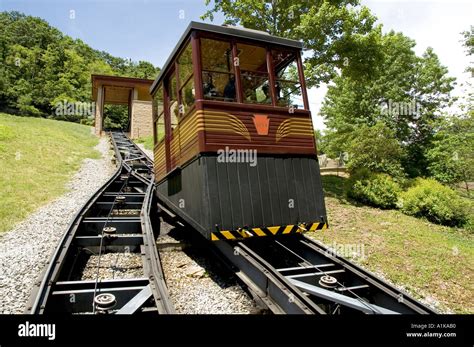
x: 149, y: 29
x: 136, y: 29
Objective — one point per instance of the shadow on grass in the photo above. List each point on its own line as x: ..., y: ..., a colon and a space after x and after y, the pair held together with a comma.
x: 334, y: 186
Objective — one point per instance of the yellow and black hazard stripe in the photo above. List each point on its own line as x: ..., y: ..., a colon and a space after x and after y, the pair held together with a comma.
x: 243, y: 233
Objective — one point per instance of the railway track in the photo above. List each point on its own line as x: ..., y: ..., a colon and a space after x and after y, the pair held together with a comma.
x: 291, y: 274
x: 114, y: 223
x: 295, y: 275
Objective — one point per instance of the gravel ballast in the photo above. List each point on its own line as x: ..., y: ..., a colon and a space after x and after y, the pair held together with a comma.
x: 113, y: 266
x: 25, y: 250
x: 197, y: 283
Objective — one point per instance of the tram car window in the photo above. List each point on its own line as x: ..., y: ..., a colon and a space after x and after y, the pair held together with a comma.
x: 217, y: 70
x: 159, y: 116
x: 186, y: 80
x: 234, y: 148
x: 254, y: 73
x: 286, y: 78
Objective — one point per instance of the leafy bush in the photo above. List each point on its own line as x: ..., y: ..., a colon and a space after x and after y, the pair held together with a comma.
x: 375, y: 189
x: 25, y: 106
x: 436, y: 202
x: 87, y: 121
x: 116, y: 117
x: 376, y: 149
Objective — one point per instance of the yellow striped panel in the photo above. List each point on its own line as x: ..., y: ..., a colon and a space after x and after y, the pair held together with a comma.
x: 274, y: 230
x: 259, y: 232
x: 294, y: 126
x: 227, y: 234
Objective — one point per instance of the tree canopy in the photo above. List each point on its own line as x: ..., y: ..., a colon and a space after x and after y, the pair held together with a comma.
x: 375, y: 148
x: 41, y: 66
x: 338, y: 35
x: 405, y: 91
x: 373, y: 77
x: 469, y: 45
x: 451, y: 158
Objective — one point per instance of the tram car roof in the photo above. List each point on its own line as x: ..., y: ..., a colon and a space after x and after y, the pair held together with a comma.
x: 231, y: 31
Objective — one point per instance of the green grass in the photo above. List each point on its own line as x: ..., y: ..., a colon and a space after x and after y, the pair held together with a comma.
x: 425, y: 258
x: 334, y: 186
x: 37, y: 158
x: 147, y: 141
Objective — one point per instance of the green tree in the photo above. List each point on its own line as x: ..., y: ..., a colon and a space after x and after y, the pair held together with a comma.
x: 41, y: 67
x: 451, y: 159
x: 145, y: 69
x: 452, y: 155
x: 404, y: 91
x: 319, y: 139
x: 375, y: 148
x: 468, y: 42
x: 339, y: 35
x: 116, y: 117
x: 128, y: 68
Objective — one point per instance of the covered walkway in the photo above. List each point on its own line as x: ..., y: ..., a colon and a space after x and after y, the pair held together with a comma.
x: 133, y: 92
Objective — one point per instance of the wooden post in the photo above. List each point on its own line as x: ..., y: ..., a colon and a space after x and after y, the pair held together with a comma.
x: 302, y: 81
x: 134, y: 133
x: 238, y: 82
x: 99, y: 111
x: 271, y: 76
x: 195, y: 44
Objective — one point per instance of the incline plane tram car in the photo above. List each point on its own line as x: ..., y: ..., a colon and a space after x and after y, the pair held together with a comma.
x: 234, y: 148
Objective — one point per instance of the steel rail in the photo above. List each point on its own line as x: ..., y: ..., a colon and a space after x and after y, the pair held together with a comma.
x: 129, y: 190
x: 295, y: 274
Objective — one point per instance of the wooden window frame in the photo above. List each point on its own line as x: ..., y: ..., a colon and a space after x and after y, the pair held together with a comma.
x: 197, y: 62
x: 156, y: 116
x: 180, y: 85
x: 233, y: 69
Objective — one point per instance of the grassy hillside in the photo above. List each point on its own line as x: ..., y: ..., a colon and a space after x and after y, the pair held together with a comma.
x: 37, y: 157
x: 425, y: 258
x: 147, y: 142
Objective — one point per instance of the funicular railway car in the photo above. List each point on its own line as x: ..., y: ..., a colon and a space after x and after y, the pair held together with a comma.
x: 234, y: 147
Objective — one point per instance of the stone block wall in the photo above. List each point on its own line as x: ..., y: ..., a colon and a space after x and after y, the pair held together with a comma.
x: 142, y: 121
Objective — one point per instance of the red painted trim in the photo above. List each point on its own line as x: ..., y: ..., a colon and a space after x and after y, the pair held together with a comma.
x: 302, y: 81
x: 309, y: 151
x: 271, y: 76
x: 225, y: 106
x: 167, y: 137
x: 238, y: 82
x: 196, y: 48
